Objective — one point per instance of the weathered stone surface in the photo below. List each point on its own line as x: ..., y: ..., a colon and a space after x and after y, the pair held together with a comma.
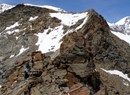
x: 37, y: 56
x: 102, y: 91
x: 80, y: 69
x: 60, y: 73
x: 71, y: 79
x: 79, y: 89
x: 35, y: 91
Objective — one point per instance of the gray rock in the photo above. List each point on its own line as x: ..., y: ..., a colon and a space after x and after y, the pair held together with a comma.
x: 80, y: 69
x: 60, y: 73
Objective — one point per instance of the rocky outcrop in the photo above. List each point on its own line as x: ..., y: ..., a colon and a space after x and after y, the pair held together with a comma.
x: 77, y: 67
x: 84, y: 53
x: 18, y: 35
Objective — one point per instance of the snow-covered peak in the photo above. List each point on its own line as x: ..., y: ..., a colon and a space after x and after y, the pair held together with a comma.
x: 125, y: 20
x: 122, y: 26
x: 53, y: 8
x: 4, y: 7
x: 48, y: 7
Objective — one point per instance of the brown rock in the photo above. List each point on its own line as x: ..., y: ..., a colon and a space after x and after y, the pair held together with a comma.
x: 102, y: 91
x: 37, y: 56
x: 79, y: 89
x: 64, y: 93
x: 71, y: 79
x: 35, y: 91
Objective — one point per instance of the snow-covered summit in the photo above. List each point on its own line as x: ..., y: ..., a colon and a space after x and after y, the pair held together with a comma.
x: 122, y: 25
x: 47, y: 6
x: 122, y: 28
x: 125, y: 20
x: 4, y: 7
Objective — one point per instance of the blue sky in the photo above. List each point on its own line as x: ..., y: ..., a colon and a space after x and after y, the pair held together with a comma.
x: 112, y: 10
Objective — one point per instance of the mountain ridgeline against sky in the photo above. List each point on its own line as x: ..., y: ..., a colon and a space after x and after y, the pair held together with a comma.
x: 45, y: 50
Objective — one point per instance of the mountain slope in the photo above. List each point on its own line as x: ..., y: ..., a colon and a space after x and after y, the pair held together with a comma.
x: 122, y: 29
x: 45, y: 51
x: 4, y: 7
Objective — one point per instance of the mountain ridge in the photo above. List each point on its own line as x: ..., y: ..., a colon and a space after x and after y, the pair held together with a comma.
x: 82, y: 64
x: 4, y: 7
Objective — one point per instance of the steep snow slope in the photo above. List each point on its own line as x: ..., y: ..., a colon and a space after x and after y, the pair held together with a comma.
x: 52, y: 41
x: 122, y: 28
x: 4, y: 7
x: 122, y: 36
x: 69, y: 19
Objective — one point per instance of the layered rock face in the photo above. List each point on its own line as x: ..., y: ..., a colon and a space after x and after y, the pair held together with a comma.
x: 81, y: 66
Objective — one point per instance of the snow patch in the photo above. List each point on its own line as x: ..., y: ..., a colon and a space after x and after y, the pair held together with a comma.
x: 122, y: 36
x: 69, y: 19
x: 17, y: 38
x: 22, y: 50
x: 12, y: 31
x: 50, y: 42
x: 125, y: 83
x: 81, y: 25
x: 118, y: 73
x: 12, y: 26
x: 110, y: 24
x: 0, y: 86
x: 33, y: 18
x: 11, y: 56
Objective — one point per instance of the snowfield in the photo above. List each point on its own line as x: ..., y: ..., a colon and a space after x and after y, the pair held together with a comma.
x: 122, y: 36
x: 69, y: 19
x: 50, y: 41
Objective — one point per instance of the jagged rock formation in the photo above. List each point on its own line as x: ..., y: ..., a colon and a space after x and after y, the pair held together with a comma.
x: 79, y: 67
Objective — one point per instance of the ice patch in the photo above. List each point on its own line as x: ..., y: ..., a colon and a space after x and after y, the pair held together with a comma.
x: 69, y: 19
